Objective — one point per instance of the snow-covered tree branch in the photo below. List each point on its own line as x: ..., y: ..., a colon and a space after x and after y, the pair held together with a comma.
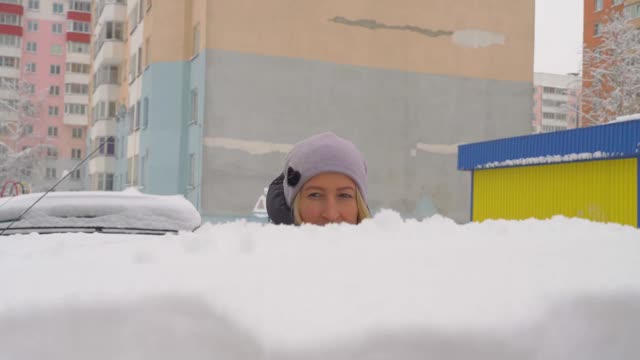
x: 21, y: 149
x: 612, y: 73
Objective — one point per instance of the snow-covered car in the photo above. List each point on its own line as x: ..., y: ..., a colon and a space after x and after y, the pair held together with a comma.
x: 128, y: 211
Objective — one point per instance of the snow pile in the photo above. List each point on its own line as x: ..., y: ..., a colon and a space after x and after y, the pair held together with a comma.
x: 557, y: 289
x: 126, y: 209
x: 549, y: 159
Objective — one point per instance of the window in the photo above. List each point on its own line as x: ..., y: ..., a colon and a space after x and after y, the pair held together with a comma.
x: 56, y: 49
x: 147, y: 52
x: 10, y: 62
x: 53, y: 111
x: 9, y: 41
x: 27, y: 130
x: 105, y: 75
x: 10, y: 19
x: 192, y: 170
x: 132, y: 169
x: 32, y: 46
x: 29, y: 88
x: 132, y: 67
x: 133, y: 19
x: 34, y: 5
x: 83, y: 6
x: 78, y: 47
x: 139, y: 64
x: 194, y: 106
x: 52, y: 152
x: 75, y: 109
x: 81, y: 27
x: 75, y: 175
x: 30, y: 67
x: 52, y: 131
x: 77, y: 68
x: 54, y: 90
x: 56, y: 28
x: 54, y: 70
x: 51, y: 173
x: 143, y: 177
x: 76, y: 154
x: 107, y: 145
x: 32, y: 25
x: 138, y: 108
x: 108, y: 182
x: 599, y: 5
x: 145, y: 121
x: 131, y: 113
x: 58, y: 8
x: 113, y: 30
x: 76, y: 133
x: 617, y: 2
x: 597, y: 30
x: 76, y: 89
x: 104, y: 110
x: 196, y: 39
x: 140, y: 10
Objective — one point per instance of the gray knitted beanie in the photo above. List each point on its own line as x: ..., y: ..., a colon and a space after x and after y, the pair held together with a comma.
x: 320, y: 153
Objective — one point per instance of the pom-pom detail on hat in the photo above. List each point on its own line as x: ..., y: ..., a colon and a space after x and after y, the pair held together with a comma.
x: 293, y: 177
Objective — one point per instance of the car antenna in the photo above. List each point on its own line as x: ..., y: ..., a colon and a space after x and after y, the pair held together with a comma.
x: 110, y: 138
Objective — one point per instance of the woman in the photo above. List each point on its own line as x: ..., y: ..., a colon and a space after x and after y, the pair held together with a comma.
x: 324, y: 181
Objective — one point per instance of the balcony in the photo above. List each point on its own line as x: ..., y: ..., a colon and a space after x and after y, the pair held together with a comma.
x: 79, y: 58
x: 102, y: 164
x: 109, y: 52
x: 9, y: 72
x: 11, y: 51
x: 76, y: 99
x: 103, y: 128
x: 105, y: 92
x: 109, y: 10
x: 12, y: 7
x: 75, y: 120
x: 75, y: 78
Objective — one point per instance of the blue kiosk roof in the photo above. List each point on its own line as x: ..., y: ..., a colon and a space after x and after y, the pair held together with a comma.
x: 614, y: 140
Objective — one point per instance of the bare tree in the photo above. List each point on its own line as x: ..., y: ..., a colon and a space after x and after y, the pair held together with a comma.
x: 21, y: 149
x: 611, y: 73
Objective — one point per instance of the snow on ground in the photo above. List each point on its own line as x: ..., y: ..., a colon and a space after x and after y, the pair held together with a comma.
x: 556, y: 289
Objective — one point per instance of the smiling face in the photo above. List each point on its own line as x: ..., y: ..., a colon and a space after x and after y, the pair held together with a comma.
x: 328, y: 198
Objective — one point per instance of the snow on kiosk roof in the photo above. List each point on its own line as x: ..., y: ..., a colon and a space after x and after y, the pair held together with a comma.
x: 589, y: 173
x: 127, y: 211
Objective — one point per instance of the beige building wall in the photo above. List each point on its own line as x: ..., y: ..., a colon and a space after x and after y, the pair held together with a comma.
x: 489, y: 39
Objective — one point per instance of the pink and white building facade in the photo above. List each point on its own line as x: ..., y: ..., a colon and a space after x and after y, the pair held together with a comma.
x: 48, y: 45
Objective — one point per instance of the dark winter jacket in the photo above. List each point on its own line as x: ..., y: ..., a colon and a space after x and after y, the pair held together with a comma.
x: 277, y: 209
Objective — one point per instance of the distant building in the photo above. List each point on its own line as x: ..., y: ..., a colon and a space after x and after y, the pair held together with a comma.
x: 204, y: 98
x: 44, y: 44
x: 555, y: 102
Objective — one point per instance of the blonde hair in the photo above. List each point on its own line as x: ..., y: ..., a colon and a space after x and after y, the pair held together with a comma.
x: 363, y: 209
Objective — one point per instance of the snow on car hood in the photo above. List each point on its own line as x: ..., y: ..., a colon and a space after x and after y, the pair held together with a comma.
x: 126, y: 209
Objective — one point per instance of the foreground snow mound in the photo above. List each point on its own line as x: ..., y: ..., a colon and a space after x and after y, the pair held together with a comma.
x: 388, y: 288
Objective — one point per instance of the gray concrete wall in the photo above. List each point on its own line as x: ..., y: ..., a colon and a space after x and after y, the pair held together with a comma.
x: 386, y: 113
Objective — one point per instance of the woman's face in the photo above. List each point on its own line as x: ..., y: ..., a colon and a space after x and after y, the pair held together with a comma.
x: 328, y: 198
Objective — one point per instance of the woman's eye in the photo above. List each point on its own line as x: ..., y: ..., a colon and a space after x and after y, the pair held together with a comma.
x: 346, y: 196
x: 314, y: 195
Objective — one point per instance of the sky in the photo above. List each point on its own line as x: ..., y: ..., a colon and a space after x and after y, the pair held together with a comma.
x: 558, y: 43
